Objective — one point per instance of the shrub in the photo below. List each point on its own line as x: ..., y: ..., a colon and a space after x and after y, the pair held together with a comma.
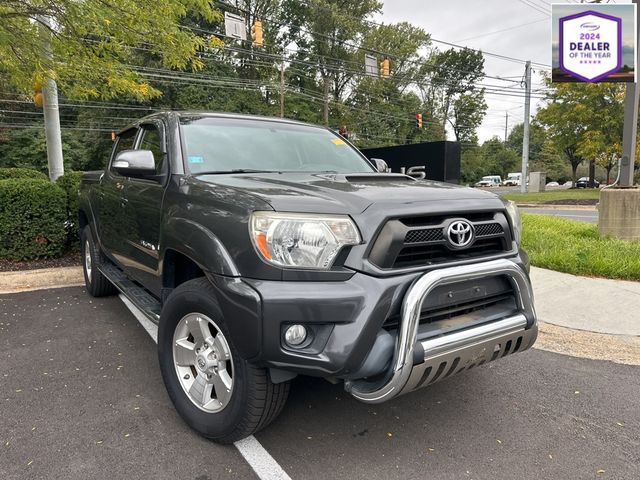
x: 17, y: 172
x: 32, y: 219
x: 70, y: 183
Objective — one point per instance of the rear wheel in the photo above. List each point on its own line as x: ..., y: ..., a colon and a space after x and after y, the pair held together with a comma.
x: 96, y: 283
x: 219, y: 394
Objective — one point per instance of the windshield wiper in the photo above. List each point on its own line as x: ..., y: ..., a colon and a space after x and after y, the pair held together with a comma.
x: 235, y: 170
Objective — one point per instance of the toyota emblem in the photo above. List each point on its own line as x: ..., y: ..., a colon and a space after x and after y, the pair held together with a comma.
x: 460, y: 234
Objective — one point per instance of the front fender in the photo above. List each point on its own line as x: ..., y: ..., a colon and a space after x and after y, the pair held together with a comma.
x: 199, y: 244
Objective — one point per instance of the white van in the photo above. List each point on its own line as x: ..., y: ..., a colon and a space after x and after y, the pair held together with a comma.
x: 489, y: 181
x: 513, y: 180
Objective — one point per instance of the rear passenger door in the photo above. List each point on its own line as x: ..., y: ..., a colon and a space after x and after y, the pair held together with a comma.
x: 144, y: 198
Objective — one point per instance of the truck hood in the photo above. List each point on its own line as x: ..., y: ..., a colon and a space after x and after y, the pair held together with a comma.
x: 340, y: 194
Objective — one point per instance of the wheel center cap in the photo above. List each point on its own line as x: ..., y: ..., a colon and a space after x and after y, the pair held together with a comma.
x: 202, y: 363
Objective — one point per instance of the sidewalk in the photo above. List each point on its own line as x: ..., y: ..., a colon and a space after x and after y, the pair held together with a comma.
x: 592, y: 304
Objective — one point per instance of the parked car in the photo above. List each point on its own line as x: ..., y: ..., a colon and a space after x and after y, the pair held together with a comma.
x: 583, y: 182
x: 553, y: 184
x: 489, y: 181
x: 513, y: 180
x: 265, y: 248
x: 568, y: 184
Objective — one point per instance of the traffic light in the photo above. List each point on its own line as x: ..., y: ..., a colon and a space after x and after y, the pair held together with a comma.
x: 385, y: 68
x: 256, y: 34
x: 37, y: 94
x: 418, y: 120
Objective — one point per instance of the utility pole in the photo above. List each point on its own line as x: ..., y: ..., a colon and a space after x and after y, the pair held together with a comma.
x: 50, y: 108
x: 506, y: 125
x: 282, y: 87
x: 627, y: 161
x: 525, y: 133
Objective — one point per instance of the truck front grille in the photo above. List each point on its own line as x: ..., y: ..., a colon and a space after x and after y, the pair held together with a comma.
x: 422, y: 241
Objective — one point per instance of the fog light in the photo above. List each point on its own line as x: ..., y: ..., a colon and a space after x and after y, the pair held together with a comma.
x: 295, y: 335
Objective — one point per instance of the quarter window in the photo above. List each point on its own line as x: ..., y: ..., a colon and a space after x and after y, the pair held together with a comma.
x: 125, y: 141
x: 152, y: 140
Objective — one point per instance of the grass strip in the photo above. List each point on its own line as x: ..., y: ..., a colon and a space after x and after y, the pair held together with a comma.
x: 554, y: 195
x: 575, y: 247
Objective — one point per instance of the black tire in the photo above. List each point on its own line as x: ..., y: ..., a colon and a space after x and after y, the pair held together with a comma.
x: 255, y: 400
x: 96, y: 283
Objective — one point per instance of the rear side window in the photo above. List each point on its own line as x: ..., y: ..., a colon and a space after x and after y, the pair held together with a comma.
x: 125, y: 141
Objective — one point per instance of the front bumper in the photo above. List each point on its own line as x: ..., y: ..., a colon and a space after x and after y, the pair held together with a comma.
x: 349, y: 315
x: 448, y: 354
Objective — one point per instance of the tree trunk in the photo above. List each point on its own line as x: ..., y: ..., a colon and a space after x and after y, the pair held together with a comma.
x: 608, y: 169
x: 574, y: 173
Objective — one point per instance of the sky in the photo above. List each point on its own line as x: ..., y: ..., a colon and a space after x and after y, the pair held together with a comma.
x: 469, y: 23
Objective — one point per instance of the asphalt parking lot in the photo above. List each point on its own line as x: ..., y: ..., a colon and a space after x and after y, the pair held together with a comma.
x: 82, y: 397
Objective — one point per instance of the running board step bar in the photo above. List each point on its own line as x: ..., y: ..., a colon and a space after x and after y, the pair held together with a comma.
x: 137, y: 295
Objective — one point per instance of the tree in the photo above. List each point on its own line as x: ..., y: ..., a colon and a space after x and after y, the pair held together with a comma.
x: 455, y: 72
x: 93, y: 41
x: 585, y: 121
x: 326, y: 34
x: 468, y: 112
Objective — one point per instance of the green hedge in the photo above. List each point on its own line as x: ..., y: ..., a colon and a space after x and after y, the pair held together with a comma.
x: 70, y: 183
x: 33, y: 213
x: 15, y: 172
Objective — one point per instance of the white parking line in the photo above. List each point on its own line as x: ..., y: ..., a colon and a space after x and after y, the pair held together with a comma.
x: 250, y: 448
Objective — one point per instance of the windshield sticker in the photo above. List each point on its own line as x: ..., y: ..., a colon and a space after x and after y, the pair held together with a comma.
x: 193, y: 159
x: 337, y: 141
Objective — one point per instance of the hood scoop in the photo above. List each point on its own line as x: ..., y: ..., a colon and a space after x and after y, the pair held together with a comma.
x: 378, y: 178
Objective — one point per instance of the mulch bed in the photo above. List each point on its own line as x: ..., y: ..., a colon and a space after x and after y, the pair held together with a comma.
x: 69, y: 259
x: 574, y: 201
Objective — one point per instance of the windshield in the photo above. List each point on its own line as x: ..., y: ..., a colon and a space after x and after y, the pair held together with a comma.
x: 227, y: 145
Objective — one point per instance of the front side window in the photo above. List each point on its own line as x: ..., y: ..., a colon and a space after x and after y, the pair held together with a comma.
x: 225, y: 145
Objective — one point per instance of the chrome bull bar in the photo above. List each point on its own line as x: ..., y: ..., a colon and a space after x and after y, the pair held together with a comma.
x: 457, y: 351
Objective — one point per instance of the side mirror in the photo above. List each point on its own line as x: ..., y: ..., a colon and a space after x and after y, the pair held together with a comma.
x: 381, y: 165
x: 135, y: 163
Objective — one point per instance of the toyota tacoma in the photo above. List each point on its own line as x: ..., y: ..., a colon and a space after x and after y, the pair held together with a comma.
x: 265, y: 248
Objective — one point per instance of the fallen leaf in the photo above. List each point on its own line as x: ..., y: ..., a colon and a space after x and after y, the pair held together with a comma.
x: 550, y: 456
x: 620, y: 424
x: 389, y: 434
x: 33, y: 429
x: 126, y: 434
x: 18, y: 391
x: 29, y: 462
x: 99, y: 442
x: 431, y: 449
x: 499, y: 441
x: 577, y: 392
x: 600, y: 472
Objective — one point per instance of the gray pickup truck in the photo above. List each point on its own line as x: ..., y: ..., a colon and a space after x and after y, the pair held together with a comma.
x: 266, y: 248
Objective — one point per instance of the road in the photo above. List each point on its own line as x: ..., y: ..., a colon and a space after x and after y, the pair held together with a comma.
x: 82, y: 397
x: 590, y: 216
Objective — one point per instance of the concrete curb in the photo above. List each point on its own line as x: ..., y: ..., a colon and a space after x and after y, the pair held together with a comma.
x: 591, y: 208
x: 28, y: 280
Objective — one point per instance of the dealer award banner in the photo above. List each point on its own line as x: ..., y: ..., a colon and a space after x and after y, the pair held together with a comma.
x: 594, y: 43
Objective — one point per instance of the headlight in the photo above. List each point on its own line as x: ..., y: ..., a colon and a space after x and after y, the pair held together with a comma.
x: 301, y: 240
x: 516, y: 221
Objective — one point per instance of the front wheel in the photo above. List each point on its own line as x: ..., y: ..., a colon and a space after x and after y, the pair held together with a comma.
x: 218, y: 394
